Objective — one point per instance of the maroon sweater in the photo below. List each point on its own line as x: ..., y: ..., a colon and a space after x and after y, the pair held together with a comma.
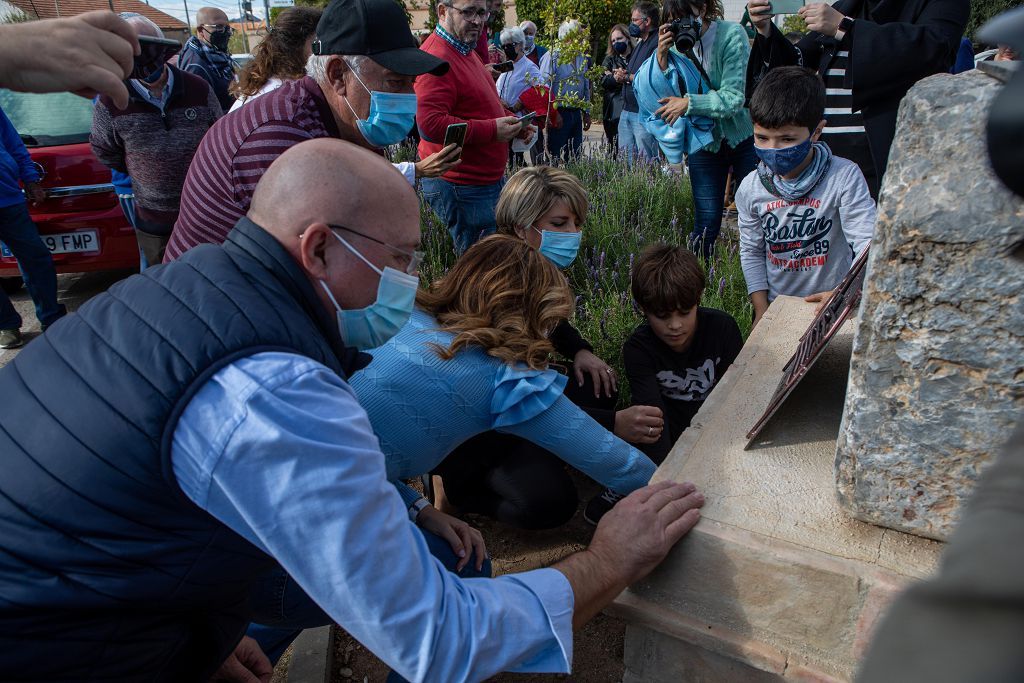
x: 236, y: 152
x: 155, y: 148
x: 466, y: 94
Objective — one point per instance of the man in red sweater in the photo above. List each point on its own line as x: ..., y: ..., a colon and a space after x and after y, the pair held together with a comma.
x: 464, y: 197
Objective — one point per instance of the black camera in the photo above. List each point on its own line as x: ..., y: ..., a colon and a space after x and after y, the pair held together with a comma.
x: 686, y: 31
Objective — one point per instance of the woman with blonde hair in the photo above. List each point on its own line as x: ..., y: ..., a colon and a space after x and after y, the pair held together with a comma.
x: 280, y: 57
x: 474, y: 357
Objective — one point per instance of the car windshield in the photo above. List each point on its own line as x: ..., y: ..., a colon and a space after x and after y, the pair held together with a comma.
x: 50, y: 119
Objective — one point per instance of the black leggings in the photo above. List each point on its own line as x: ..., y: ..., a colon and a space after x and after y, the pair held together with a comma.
x: 514, y: 481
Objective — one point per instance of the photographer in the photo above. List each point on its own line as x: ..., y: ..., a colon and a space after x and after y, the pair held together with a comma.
x: 695, y: 29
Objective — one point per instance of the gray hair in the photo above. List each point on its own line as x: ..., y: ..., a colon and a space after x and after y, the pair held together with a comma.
x: 513, y: 34
x: 136, y: 18
x: 567, y: 27
x: 316, y: 66
x: 528, y: 23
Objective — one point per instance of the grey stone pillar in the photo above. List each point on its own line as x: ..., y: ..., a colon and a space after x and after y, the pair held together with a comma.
x: 936, y: 380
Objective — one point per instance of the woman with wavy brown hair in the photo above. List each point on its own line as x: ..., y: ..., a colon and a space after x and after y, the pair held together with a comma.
x: 280, y: 57
x: 474, y: 358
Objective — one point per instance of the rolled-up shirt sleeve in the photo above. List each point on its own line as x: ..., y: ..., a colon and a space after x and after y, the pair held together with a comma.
x: 277, y: 447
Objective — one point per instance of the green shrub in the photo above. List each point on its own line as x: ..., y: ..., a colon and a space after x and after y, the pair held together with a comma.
x: 629, y: 209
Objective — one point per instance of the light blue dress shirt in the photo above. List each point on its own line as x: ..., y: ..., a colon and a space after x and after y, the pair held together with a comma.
x: 567, y: 80
x: 165, y: 94
x: 277, y: 447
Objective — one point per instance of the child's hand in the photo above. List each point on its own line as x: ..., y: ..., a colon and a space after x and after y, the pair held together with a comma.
x: 639, y: 424
x: 821, y: 298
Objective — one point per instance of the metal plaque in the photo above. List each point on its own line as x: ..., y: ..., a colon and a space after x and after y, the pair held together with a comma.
x: 840, y: 306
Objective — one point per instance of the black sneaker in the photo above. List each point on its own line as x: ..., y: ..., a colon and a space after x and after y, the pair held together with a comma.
x: 600, y: 504
x: 10, y: 339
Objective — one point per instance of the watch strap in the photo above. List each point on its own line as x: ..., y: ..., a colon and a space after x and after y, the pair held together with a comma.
x: 417, y: 507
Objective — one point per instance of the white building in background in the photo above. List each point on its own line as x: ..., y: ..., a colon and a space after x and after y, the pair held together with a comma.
x: 734, y: 9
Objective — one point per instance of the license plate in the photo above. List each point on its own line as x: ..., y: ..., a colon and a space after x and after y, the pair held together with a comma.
x: 65, y: 243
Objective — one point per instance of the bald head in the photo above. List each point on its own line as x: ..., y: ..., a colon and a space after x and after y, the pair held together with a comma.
x: 143, y: 26
x: 325, y: 182
x: 211, y: 15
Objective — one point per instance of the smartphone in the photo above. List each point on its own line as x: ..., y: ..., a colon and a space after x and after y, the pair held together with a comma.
x: 455, y: 134
x: 527, y: 118
x: 787, y: 6
x: 504, y: 67
x: 153, y: 52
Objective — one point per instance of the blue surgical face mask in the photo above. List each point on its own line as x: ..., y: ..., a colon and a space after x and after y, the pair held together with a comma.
x: 370, y: 327
x: 392, y: 116
x: 560, y: 247
x: 635, y: 31
x: 155, y: 76
x: 783, y: 161
x: 528, y: 45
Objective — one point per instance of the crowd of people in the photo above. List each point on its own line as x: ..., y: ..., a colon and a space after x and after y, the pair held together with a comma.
x: 233, y: 462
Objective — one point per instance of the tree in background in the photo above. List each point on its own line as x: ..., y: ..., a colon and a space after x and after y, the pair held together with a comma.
x: 597, y: 16
x: 983, y: 10
x: 794, y: 23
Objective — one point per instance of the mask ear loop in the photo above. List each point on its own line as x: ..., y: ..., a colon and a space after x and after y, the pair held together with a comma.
x: 356, y: 252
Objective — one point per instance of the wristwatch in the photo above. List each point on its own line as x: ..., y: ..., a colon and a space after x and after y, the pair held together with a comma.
x: 417, y: 507
x: 845, y: 26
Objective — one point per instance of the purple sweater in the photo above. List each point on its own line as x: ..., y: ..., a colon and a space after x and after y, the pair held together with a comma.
x: 232, y: 159
x: 155, y: 148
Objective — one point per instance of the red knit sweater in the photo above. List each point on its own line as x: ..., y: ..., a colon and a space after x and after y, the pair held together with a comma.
x: 466, y: 94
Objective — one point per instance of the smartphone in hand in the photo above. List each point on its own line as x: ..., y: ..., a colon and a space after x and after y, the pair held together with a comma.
x: 527, y: 118
x: 455, y: 134
x: 786, y: 6
x: 504, y: 67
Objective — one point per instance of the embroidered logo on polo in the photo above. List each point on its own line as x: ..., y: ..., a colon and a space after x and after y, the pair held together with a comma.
x: 695, y: 386
x: 191, y: 114
x: 796, y: 242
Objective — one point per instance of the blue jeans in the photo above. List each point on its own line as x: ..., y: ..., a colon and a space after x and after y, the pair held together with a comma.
x: 634, y: 140
x: 467, y: 210
x: 20, y: 235
x: 565, y: 143
x: 281, y: 609
x: 708, y: 173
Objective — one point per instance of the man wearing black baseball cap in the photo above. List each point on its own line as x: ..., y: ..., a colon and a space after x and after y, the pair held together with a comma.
x: 359, y: 88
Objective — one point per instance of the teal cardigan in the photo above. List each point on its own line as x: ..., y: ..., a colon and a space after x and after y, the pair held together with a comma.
x: 728, y: 74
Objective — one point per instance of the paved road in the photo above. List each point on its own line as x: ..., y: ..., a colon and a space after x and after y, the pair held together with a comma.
x: 73, y: 291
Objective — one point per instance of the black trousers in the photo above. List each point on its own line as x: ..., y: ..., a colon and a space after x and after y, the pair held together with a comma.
x: 514, y: 481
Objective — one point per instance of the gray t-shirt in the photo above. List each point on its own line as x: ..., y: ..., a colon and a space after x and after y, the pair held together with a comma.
x: 805, y: 246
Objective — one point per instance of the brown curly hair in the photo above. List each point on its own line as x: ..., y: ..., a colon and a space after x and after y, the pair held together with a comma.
x: 282, y: 52
x: 504, y: 296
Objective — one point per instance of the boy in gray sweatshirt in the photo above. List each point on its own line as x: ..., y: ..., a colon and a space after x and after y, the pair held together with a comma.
x: 804, y: 214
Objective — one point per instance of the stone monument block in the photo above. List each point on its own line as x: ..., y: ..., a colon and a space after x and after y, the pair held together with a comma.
x: 936, y: 380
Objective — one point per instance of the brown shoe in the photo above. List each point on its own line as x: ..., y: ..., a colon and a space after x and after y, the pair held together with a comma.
x: 10, y: 339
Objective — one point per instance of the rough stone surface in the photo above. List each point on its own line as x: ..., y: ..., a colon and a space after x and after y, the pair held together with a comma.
x: 936, y: 380
x: 776, y: 581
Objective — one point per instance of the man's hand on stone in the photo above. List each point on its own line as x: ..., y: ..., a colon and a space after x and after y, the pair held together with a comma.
x: 507, y: 128
x: 464, y: 539
x: 247, y: 664
x: 636, y: 534
x: 87, y: 54
x: 439, y: 162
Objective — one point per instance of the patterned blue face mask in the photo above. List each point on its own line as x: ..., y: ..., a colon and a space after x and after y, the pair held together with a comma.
x: 368, y: 328
x: 783, y: 161
x: 560, y: 247
x: 392, y: 116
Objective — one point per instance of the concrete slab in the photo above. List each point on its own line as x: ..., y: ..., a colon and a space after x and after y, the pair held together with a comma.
x: 775, y: 576
x: 311, y: 656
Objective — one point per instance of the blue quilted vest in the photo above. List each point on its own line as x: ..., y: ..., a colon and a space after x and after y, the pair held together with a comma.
x: 107, y: 570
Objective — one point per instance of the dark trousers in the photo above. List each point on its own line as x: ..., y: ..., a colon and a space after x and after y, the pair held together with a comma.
x: 611, y: 133
x: 708, y: 174
x: 565, y: 143
x: 515, y: 481
x: 20, y: 235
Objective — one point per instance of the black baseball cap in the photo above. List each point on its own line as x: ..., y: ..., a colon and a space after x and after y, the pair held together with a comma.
x: 378, y: 29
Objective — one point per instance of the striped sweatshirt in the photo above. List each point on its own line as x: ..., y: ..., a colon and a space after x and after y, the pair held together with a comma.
x: 234, y: 154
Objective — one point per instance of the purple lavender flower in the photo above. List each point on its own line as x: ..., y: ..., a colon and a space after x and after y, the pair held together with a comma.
x: 721, y: 286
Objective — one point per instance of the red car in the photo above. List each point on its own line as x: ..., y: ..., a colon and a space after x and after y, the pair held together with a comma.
x: 80, y: 220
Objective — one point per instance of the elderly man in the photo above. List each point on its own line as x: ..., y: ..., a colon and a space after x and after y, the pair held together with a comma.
x: 464, y: 198
x: 359, y: 89
x: 154, y: 138
x: 206, y: 53
x: 534, y: 52
x: 570, y: 88
x: 138, y: 509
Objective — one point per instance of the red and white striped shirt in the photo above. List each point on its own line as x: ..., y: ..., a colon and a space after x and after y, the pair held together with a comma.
x: 236, y: 151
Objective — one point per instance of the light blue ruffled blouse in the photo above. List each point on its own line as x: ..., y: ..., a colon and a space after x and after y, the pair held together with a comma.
x: 422, y: 407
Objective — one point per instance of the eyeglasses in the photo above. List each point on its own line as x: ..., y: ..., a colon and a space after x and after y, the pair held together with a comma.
x: 471, y: 13
x: 218, y: 28
x: 415, y: 257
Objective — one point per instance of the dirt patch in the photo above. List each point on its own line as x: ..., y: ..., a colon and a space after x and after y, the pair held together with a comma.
x: 598, y: 647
